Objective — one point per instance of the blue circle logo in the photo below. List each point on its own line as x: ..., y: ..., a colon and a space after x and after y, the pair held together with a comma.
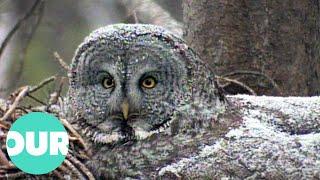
x: 37, y: 143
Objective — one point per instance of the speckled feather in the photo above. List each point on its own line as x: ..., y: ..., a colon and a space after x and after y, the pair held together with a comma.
x: 186, y: 129
x: 185, y: 100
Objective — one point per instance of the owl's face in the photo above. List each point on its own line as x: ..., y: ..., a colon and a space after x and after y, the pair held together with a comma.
x: 127, y: 87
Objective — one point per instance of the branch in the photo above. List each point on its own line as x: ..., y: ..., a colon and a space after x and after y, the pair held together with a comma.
x: 240, y: 72
x: 3, y: 159
x: 18, y: 25
x: 148, y: 11
x: 41, y: 84
x: 62, y: 63
x: 252, y: 92
x: 23, y: 92
x: 29, y: 38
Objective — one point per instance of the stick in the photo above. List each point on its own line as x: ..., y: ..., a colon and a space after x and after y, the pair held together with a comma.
x: 16, y: 175
x: 3, y: 160
x: 23, y: 92
x: 41, y: 84
x: 17, y: 26
x: 58, y: 174
x: 73, y: 169
x: 238, y: 83
x: 135, y: 17
x: 150, y: 12
x: 62, y: 63
x: 36, y: 99
x: 29, y: 37
x: 81, y: 166
x: 74, y: 132
x: 54, y: 97
x: 275, y: 85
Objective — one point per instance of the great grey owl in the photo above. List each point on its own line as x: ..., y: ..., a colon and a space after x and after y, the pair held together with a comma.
x: 139, y: 95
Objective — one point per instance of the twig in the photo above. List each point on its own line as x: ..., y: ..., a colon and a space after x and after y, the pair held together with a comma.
x: 9, y: 167
x: 73, y: 138
x: 54, y: 97
x: 63, y: 168
x: 81, y: 166
x: 62, y: 63
x: 36, y: 99
x: 41, y: 84
x: 3, y: 160
x: 158, y: 15
x: 135, y: 17
x: 74, y: 132
x: 4, y: 125
x: 13, y: 175
x: 22, y: 109
x: 238, y: 83
x: 73, y: 169
x: 62, y: 82
x: 29, y: 38
x: 224, y: 85
x: 58, y: 174
x: 23, y: 91
x: 240, y: 72
x: 17, y: 26
x: 82, y: 155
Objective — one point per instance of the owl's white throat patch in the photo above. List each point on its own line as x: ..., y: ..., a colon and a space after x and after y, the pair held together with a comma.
x: 141, y: 134
x: 107, y: 138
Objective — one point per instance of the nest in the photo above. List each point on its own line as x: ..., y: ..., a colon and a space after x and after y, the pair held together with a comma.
x: 11, y: 109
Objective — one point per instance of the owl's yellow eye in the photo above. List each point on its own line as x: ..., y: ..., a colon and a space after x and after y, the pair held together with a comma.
x: 108, y: 83
x: 149, y: 83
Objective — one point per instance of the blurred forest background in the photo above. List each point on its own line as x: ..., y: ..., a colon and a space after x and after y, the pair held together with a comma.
x: 28, y: 57
x: 256, y: 47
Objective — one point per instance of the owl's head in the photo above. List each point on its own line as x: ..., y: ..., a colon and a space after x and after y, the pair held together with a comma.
x: 128, y: 81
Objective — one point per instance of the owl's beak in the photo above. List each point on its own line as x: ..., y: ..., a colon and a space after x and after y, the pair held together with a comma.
x: 125, y: 109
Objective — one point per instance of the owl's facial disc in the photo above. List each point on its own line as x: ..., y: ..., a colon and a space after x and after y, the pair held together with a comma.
x: 133, y: 111
x: 132, y: 96
x: 128, y: 88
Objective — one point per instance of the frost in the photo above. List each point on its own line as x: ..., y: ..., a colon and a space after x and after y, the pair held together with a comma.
x: 176, y: 167
x: 208, y: 150
x: 278, y: 137
x: 309, y: 139
x: 235, y: 133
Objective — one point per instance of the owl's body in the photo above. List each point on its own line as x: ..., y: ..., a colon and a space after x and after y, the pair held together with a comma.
x: 137, y: 92
x: 149, y: 107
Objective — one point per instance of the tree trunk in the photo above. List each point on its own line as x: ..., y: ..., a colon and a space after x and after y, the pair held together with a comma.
x: 279, y: 39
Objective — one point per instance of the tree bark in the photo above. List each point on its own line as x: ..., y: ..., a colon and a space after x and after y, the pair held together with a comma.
x: 280, y: 39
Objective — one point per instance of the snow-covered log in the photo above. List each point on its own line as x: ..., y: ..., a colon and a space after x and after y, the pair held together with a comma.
x: 279, y: 138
